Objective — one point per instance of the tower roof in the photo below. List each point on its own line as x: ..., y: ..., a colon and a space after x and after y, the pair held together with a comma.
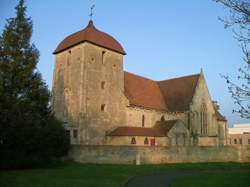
x: 92, y: 35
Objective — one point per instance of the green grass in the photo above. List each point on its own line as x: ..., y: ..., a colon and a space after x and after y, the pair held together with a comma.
x: 70, y: 174
x: 215, y: 179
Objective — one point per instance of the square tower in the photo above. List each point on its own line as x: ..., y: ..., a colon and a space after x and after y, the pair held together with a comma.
x: 88, y: 85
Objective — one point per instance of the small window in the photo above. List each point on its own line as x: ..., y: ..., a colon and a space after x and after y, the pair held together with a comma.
x: 240, y: 140
x: 103, y: 85
x: 143, y: 120
x: 248, y: 141
x: 146, y: 141
x: 103, y: 107
x: 133, y: 141
x: 68, y: 57
x: 103, y: 53
x: 115, y: 68
x: 235, y: 141
x: 75, y: 133
x: 162, y: 118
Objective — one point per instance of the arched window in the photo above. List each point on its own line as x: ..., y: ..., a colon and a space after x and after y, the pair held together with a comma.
x: 162, y: 118
x: 143, y: 120
x: 133, y: 141
x: 146, y: 141
x: 203, y: 118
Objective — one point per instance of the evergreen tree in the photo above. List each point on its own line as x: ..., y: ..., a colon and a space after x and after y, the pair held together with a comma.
x: 29, y: 133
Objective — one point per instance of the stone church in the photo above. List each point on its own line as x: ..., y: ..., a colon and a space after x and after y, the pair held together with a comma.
x: 101, y: 104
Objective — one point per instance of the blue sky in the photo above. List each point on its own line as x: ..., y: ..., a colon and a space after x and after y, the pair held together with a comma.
x: 163, y: 39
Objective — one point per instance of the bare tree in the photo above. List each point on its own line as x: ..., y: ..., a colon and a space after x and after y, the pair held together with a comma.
x: 239, y: 21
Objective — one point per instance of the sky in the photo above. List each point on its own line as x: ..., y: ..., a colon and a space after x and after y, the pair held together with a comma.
x: 163, y: 39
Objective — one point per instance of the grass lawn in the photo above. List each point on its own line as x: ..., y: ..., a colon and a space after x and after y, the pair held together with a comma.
x: 70, y: 174
x: 215, y: 179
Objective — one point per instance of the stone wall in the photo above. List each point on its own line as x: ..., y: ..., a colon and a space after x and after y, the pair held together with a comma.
x: 159, y: 154
x: 140, y: 140
x: 208, y: 141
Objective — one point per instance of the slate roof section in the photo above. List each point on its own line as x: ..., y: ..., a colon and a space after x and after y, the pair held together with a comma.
x: 92, y: 35
x: 159, y: 130
x: 174, y: 95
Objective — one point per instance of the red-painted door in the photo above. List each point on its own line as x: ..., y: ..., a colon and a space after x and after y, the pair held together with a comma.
x: 152, y: 142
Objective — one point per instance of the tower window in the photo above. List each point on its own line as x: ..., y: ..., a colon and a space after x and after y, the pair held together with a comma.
x: 103, y: 53
x: 67, y: 132
x: 75, y: 133
x: 68, y: 58
x: 133, y: 141
x: 115, y: 68
x: 143, y: 120
x: 248, y: 141
x: 103, y: 106
x: 103, y: 85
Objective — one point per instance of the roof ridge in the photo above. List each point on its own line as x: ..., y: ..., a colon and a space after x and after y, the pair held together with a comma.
x: 140, y: 76
x: 185, y: 76
x: 134, y: 127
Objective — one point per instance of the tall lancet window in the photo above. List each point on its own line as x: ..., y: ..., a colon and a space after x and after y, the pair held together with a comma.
x: 203, y: 118
x: 143, y: 120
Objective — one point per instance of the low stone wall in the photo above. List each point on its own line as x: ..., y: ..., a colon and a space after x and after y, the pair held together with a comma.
x: 157, y: 155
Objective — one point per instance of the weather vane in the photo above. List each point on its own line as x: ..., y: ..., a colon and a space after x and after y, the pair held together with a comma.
x: 91, y: 12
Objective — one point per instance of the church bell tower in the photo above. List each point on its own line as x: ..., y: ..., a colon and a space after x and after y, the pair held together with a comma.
x: 88, y: 85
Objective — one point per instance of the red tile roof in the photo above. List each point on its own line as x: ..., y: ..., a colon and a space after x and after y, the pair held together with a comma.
x: 143, y: 92
x: 92, y: 35
x: 173, y: 95
x: 159, y: 130
x: 179, y: 92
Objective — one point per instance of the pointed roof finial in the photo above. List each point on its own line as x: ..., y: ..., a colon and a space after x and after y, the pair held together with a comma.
x: 91, y: 12
x: 201, y: 72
